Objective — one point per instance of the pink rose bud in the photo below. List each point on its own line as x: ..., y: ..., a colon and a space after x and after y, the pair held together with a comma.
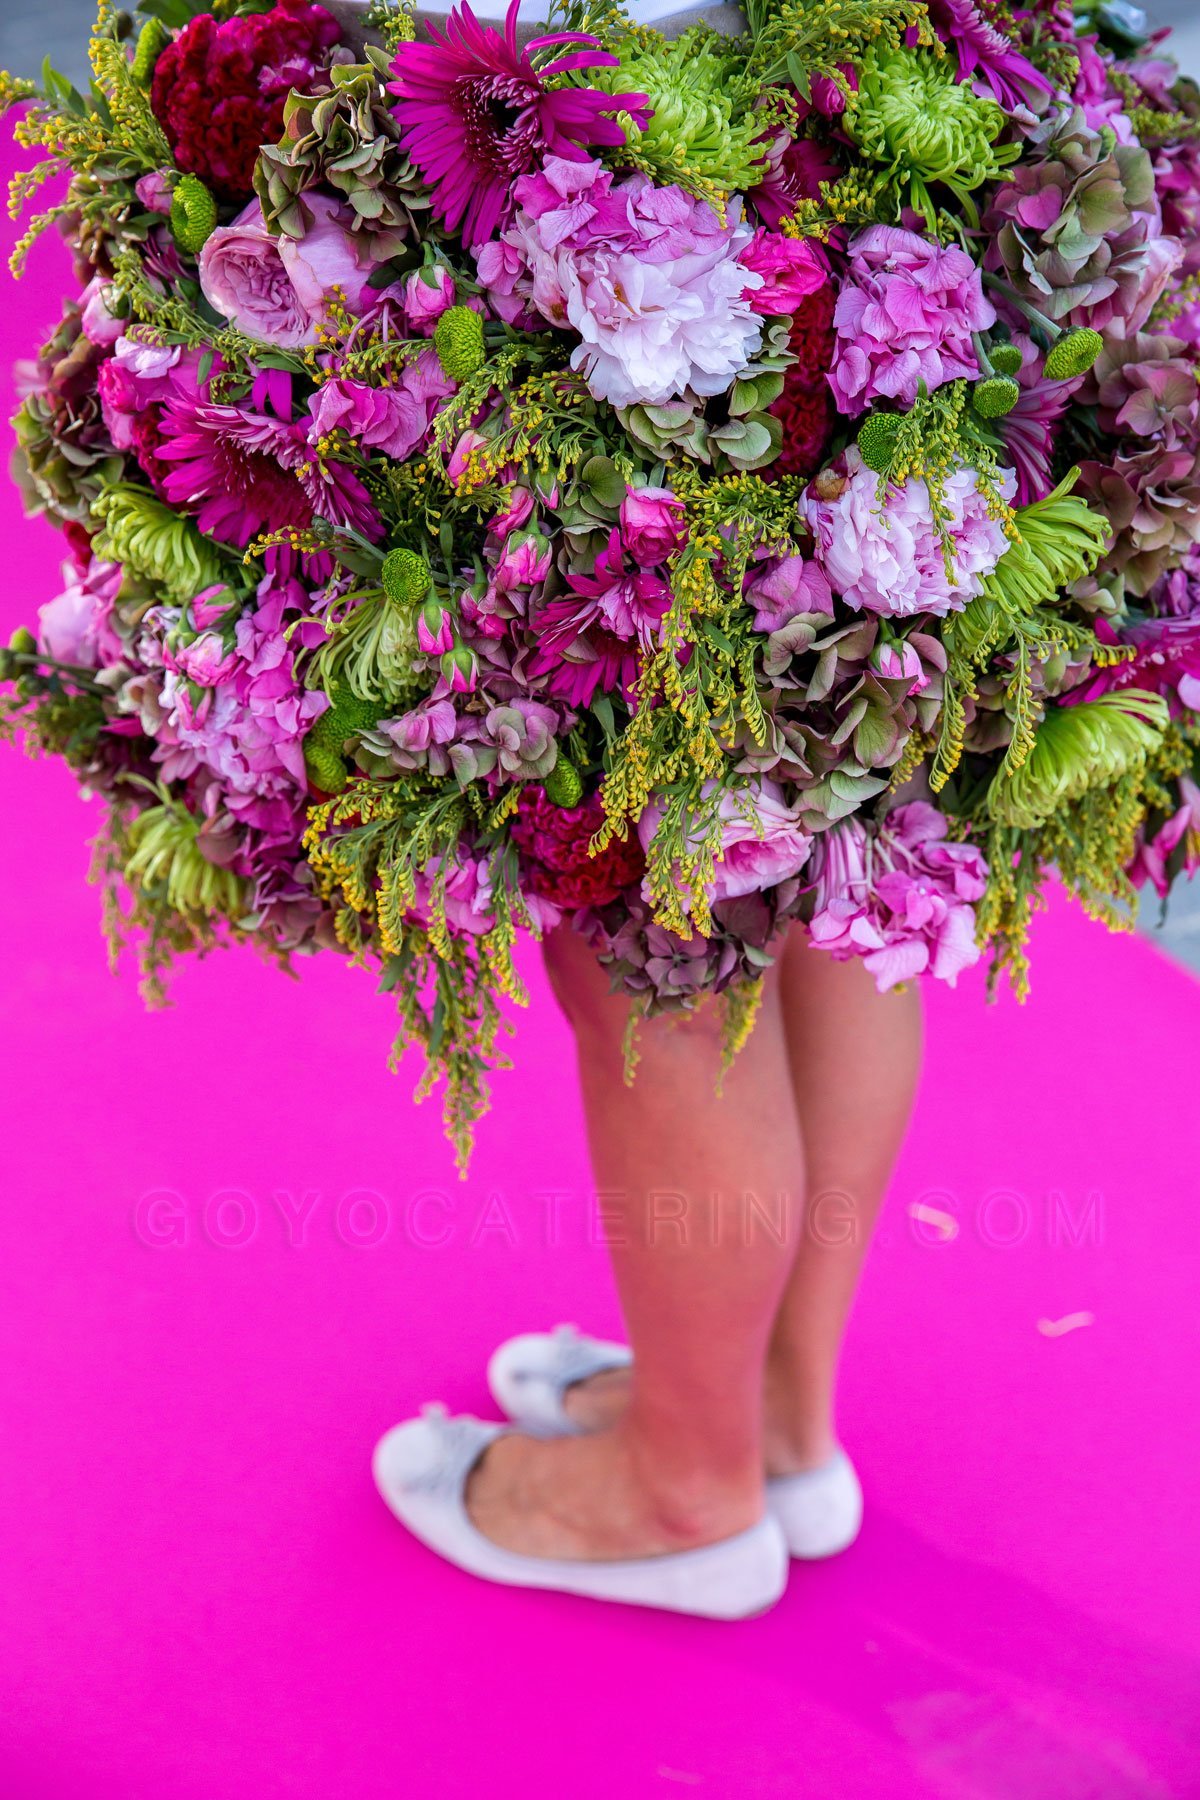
x: 900, y: 662
x: 155, y: 191
x: 100, y: 326
x: 209, y: 605
x: 456, y: 468
x: 435, y: 628
x: 653, y: 524
x: 525, y: 559
x: 460, y: 669
x: 520, y: 505
x: 427, y: 294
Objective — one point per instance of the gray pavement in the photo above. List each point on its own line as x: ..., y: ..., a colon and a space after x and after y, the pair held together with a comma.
x: 59, y: 28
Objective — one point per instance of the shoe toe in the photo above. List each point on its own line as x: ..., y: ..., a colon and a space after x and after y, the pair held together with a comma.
x: 404, y: 1457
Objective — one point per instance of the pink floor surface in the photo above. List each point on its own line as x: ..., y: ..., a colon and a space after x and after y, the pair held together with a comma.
x: 231, y: 1253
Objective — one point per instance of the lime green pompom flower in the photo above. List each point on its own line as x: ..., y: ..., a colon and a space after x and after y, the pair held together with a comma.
x: 458, y: 340
x: 193, y: 214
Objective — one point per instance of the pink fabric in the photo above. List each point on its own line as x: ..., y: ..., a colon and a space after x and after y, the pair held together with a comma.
x: 202, y: 1595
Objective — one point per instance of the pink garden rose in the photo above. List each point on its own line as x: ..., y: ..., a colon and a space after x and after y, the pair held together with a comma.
x: 762, y: 841
x: 278, y: 289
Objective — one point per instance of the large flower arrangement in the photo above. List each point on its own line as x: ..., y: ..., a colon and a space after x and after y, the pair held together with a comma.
x: 670, y: 486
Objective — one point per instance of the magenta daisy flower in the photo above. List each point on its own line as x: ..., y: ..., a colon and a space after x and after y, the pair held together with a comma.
x: 986, y: 53
x: 245, y: 473
x: 475, y: 114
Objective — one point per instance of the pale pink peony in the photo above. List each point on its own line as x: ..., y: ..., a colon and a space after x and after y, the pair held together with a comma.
x: 889, y: 558
x: 647, y: 277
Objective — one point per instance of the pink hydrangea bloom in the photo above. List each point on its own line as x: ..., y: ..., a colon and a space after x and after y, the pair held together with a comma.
x: 905, y: 314
x: 648, y: 277
x: 762, y: 840
x: 248, y: 723
x: 782, y: 587
x: 900, y: 896
x: 888, y: 558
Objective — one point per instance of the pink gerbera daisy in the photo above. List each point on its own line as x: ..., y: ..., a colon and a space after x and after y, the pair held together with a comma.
x: 245, y: 473
x: 475, y: 113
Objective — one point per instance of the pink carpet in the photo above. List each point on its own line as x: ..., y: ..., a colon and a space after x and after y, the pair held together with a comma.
x: 231, y: 1253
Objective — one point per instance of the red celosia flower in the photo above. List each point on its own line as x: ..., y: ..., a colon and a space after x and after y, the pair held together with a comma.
x: 553, y: 845
x: 805, y: 407
x: 219, y: 89
x: 475, y: 113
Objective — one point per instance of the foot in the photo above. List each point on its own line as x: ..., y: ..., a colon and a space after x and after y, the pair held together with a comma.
x: 584, y: 1499
x: 599, y: 1401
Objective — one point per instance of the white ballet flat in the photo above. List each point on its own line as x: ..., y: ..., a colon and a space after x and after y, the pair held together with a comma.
x: 820, y: 1511
x: 421, y: 1470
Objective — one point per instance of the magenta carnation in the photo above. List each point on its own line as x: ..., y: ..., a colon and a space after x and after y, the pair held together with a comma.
x: 219, y: 88
x: 556, y: 863
x: 905, y: 315
x: 475, y: 114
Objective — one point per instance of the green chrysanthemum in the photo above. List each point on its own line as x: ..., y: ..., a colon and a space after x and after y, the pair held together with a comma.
x: 193, y: 214
x: 458, y: 340
x: 911, y: 115
x: 1077, y: 748
x: 1059, y: 541
x: 167, y: 857
x: 151, y: 540
x: 696, y: 137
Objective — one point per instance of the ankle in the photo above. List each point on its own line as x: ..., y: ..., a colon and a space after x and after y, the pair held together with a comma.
x: 798, y: 1430
x: 690, y: 1502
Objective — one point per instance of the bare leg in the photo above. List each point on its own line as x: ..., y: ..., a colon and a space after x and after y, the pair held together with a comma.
x: 700, y: 1280
x: 855, y: 1057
